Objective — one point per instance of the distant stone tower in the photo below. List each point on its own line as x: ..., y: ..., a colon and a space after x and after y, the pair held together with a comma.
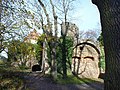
x: 72, y: 29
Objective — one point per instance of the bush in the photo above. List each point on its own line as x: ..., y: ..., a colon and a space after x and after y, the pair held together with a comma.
x: 10, y: 83
x: 1, y: 62
x: 23, y: 67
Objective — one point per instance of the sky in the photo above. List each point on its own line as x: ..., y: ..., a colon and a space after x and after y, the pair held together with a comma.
x: 87, y: 14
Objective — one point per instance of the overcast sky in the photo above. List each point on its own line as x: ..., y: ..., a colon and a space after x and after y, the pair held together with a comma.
x: 88, y: 15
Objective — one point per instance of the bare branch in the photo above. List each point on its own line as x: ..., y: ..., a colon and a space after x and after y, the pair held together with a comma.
x: 47, y: 16
x: 55, y: 18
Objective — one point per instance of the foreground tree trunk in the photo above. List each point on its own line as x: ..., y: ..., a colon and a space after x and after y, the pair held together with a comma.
x: 1, y: 27
x: 0, y: 9
x: 52, y: 44
x: 110, y: 21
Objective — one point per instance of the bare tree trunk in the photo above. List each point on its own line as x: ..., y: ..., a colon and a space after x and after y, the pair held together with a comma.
x: 54, y: 44
x: 0, y: 10
x: 79, y: 60
x: 43, y: 58
x: 110, y: 20
x: 47, y: 16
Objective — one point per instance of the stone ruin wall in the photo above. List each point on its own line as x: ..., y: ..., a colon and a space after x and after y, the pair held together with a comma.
x: 89, y: 67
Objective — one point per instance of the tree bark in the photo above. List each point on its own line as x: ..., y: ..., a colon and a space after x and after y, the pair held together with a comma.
x: 47, y: 16
x: 0, y: 10
x: 1, y: 37
x: 54, y: 44
x: 110, y: 21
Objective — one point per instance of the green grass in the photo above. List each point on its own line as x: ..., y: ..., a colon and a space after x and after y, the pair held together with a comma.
x: 6, y: 67
x: 23, y: 68
x: 9, y: 81
x: 73, y: 80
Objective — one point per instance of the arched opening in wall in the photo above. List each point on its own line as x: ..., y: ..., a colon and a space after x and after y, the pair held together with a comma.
x: 86, y: 58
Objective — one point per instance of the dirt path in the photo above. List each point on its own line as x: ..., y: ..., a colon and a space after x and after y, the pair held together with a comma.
x: 34, y: 81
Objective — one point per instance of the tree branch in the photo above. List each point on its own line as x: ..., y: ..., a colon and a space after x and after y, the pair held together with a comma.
x: 47, y: 16
x: 55, y: 18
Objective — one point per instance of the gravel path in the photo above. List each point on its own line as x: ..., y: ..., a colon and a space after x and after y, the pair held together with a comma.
x: 34, y: 81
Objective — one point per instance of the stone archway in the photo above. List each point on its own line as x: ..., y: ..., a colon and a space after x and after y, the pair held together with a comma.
x: 86, y: 63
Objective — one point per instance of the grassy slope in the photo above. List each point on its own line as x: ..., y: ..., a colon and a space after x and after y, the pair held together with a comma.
x: 8, y: 79
x: 74, y: 80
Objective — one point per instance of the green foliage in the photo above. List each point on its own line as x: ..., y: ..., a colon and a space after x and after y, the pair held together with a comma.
x: 39, y: 48
x: 69, y: 80
x: 23, y: 67
x: 1, y: 62
x: 10, y: 83
x: 74, y: 80
x: 102, y: 63
x: 18, y: 50
x: 100, y: 39
x: 41, y: 38
x: 38, y: 52
x: 102, y: 58
x: 6, y: 67
x: 7, y: 80
x: 69, y: 45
